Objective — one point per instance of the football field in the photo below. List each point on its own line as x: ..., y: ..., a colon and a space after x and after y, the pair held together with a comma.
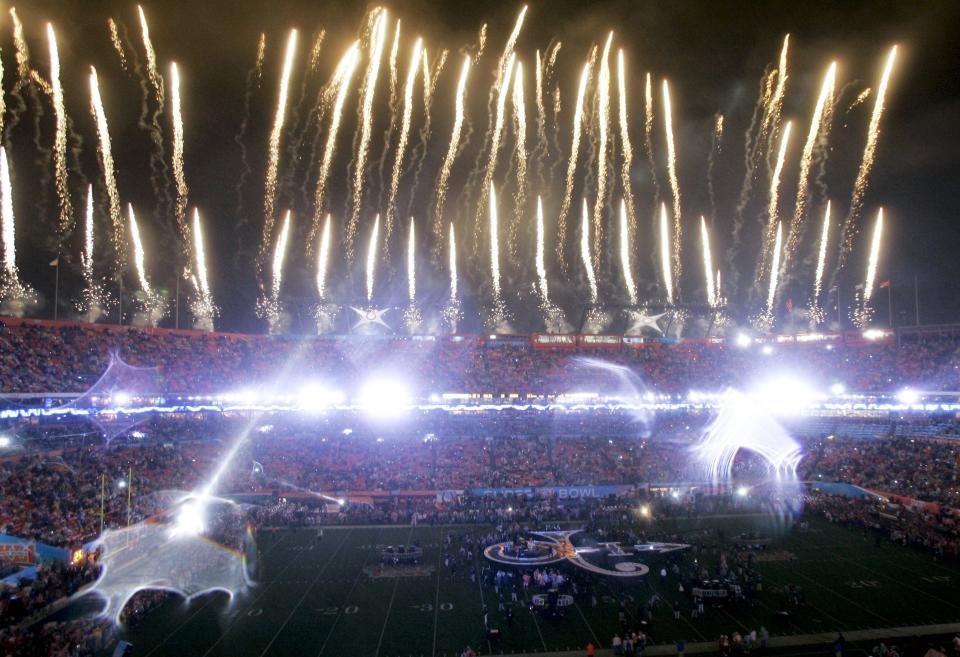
x: 325, y: 597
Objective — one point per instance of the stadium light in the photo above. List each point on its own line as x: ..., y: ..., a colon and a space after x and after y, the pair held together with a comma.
x: 767, y: 350
x: 908, y: 396
x: 122, y: 484
x: 5, y: 442
x: 190, y: 518
x: 120, y: 399
x: 743, y: 340
x: 785, y: 395
x: 315, y: 397
x: 384, y: 397
x: 837, y: 389
x: 743, y: 491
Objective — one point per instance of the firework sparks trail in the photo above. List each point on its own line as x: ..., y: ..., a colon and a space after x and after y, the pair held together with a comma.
x: 603, y: 118
x: 572, y: 163
x: 178, y: 173
x: 412, y: 263
x: 323, y: 258
x: 452, y: 247
x: 494, y: 245
x: 155, y: 80
x: 715, y: 147
x: 771, y: 118
x: 585, y: 252
x: 261, y: 52
x: 273, y: 144
x: 60, y: 139
x: 708, y: 263
x: 394, y: 52
x: 316, y: 49
x: 860, y: 99
x: 498, y: 91
x: 372, y: 257
x: 821, y: 257
x: 481, y: 43
x: 404, y: 136
x: 819, y: 123
x: 86, y: 257
x: 341, y: 81
x: 625, y: 141
x: 773, y: 207
x: 11, y: 276
x: 138, y: 252
x: 866, y: 164
x: 109, y: 173
x: 520, y: 121
x: 366, y: 125
x: 674, y: 183
x: 774, y: 271
x: 504, y: 90
x: 648, y: 132
x: 201, y: 258
x: 541, y: 255
x: 871, y: 276
x: 116, y: 42
x: 451, y: 152
x: 625, y: 252
x: 3, y: 102
x: 665, y: 266
x: 279, y: 254
x: 541, y: 118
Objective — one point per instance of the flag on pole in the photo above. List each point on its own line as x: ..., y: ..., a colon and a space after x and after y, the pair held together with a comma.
x: 55, y: 262
x: 884, y: 284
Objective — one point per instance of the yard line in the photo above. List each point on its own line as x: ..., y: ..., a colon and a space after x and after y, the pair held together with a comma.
x: 436, y: 601
x: 356, y: 580
x: 306, y: 592
x: 880, y: 573
x: 396, y: 583
x: 536, y: 623
x: 589, y: 626
x: 840, y: 595
x: 483, y: 603
x: 204, y: 606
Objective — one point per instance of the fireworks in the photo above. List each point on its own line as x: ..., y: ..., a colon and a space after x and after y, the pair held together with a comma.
x: 323, y: 258
x: 774, y: 271
x: 279, y: 254
x: 394, y: 52
x: 404, y: 133
x: 155, y: 80
x: 708, y: 263
x: 625, y: 253
x: 202, y: 306
x: 86, y: 257
x: 541, y: 256
x: 178, y: 174
x: 773, y: 207
x: 494, y: 245
x: 372, y: 257
x: 452, y: 248
x: 625, y: 140
x: 503, y: 90
x: 273, y: 144
x: 572, y: 162
x: 60, y: 139
x: 674, y: 183
x: 138, y: 253
x: 341, y: 81
x: 317, y: 47
x: 818, y: 122
x: 443, y: 181
x: 665, y: 267
x: 8, y: 223
x: 869, y: 151
x: 109, y: 173
x: 585, y: 252
x: 412, y: 264
x: 821, y: 258
x: 603, y: 118
x: 117, y: 44
x: 520, y: 120
x: 378, y: 36
x: 871, y: 276
x: 775, y: 103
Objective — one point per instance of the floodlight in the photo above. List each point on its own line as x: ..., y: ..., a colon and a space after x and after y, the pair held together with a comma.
x: 385, y: 397
x: 742, y: 491
x: 5, y: 442
x: 743, y: 340
x: 908, y: 396
x: 837, y: 389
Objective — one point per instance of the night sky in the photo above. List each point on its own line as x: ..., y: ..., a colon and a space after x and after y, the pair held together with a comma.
x: 714, y: 54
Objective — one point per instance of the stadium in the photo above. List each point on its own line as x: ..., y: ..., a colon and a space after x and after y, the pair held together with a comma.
x: 451, y: 329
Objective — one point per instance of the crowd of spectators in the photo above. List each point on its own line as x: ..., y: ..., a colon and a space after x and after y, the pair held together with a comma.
x: 70, y: 358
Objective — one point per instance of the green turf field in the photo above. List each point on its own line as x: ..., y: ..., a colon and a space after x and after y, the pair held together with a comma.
x: 315, y: 599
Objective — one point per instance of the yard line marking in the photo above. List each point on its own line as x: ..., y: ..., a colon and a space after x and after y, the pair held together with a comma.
x: 589, y: 626
x: 210, y: 600
x: 306, y: 593
x: 356, y: 580
x: 386, y: 619
x: 436, y: 601
x: 536, y: 623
